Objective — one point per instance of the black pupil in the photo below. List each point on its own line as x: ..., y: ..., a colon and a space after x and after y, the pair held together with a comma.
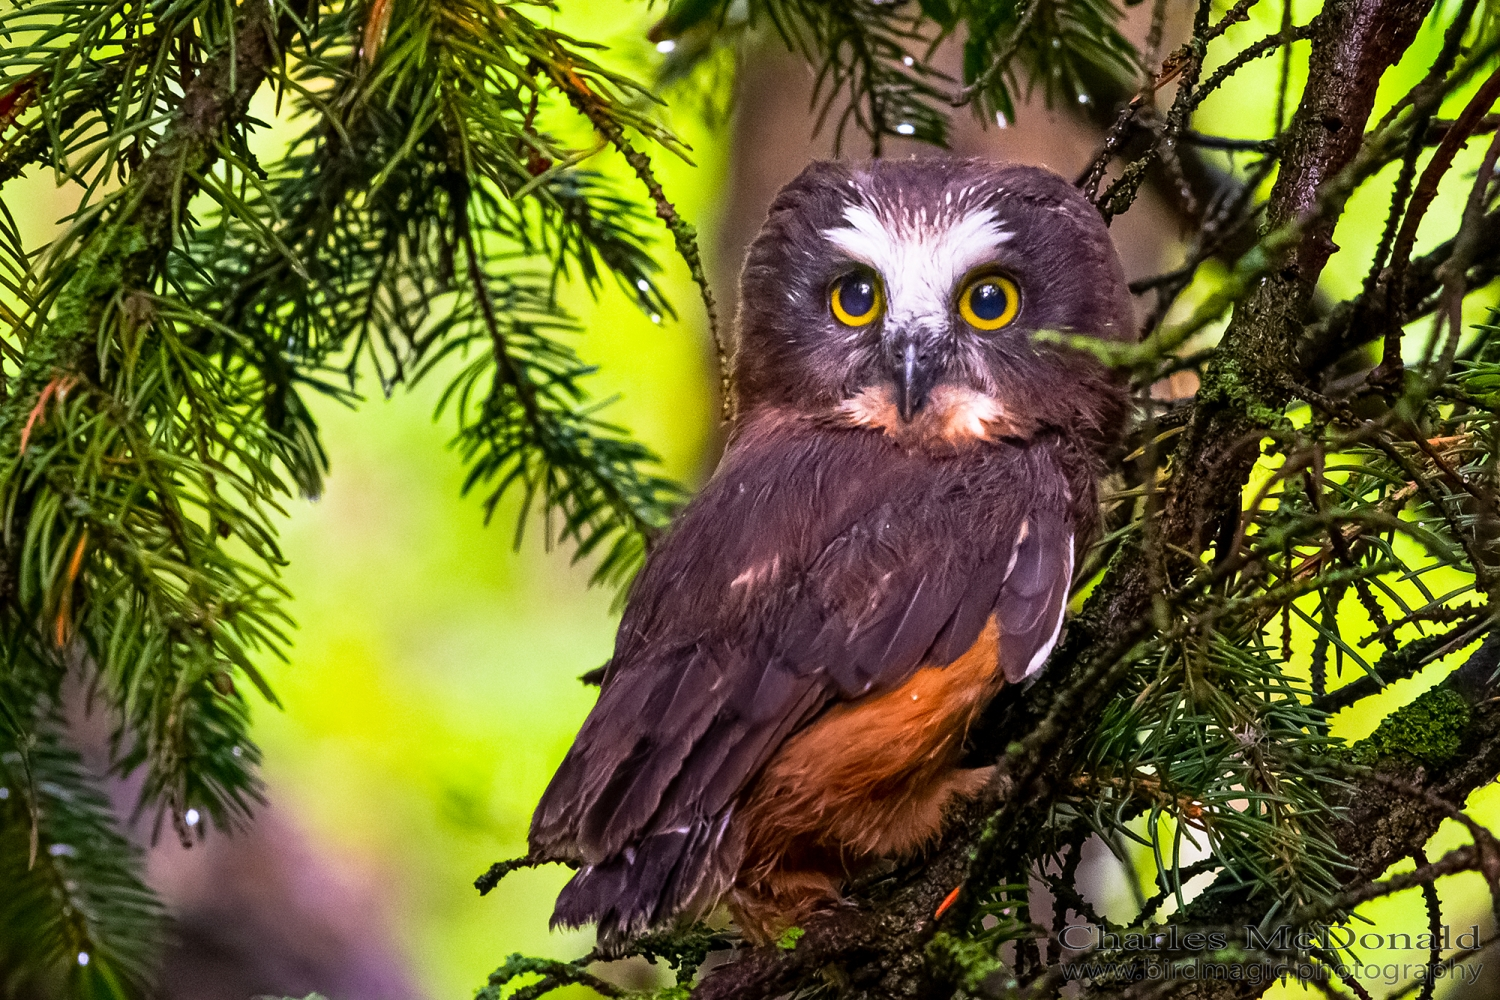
x: 988, y: 301
x: 857, y: 296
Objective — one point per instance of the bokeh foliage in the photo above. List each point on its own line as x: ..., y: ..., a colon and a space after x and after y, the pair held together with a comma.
x: 160, y: 354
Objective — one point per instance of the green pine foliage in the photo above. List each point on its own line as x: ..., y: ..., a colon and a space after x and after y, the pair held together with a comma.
x: 160, y: 354
x: 76, y: 917
x: 874, y: 61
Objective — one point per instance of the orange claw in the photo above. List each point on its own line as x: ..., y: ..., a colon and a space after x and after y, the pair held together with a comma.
x: 377, y: 23
x: 36, y: 412
x: 947, y: 903
x: 65, y: 604
x: 76, y: 563
x: 59, y: 386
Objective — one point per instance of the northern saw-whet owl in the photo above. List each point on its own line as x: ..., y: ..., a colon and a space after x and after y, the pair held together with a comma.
x: 888, y: 540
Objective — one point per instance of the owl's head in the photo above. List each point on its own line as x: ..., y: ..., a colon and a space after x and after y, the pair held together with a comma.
x: 904, y: 294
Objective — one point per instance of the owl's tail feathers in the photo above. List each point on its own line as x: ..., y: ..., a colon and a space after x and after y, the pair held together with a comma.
x: 681, y: 872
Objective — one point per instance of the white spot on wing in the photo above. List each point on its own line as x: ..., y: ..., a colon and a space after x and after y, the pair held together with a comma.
x: 1040, y: 659
x: 757, y: 574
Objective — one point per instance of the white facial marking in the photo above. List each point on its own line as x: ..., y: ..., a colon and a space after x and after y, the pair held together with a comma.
x: 920, y: 260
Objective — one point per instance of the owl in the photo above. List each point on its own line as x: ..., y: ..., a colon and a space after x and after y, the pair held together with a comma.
x: 888, y: 540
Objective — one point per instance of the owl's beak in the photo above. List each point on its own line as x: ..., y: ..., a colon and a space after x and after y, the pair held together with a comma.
x: 915, y: 373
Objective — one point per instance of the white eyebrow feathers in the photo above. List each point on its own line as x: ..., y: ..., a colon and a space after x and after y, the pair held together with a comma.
x: 919, y: 256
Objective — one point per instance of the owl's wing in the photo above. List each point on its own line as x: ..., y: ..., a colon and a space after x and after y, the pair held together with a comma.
x: 818, y: 565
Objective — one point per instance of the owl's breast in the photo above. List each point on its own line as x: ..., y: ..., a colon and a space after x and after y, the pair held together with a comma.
x: 867, y: 779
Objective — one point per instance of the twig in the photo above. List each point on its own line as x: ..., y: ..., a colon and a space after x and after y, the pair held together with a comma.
x: 1434, y: 927
x: 683, y: 234
x: 1231, y: 145
x: 1247, y: 55
x: 1422, y: 196
x: 1000, y: 60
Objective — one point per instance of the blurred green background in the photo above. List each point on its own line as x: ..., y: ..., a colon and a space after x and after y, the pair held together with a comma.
x: 433, y: 684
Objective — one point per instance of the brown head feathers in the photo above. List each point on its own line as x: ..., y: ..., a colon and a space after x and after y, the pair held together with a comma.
x: 925, y: 231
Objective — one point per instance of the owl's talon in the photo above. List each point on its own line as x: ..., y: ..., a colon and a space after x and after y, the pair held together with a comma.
x: 947, y: 903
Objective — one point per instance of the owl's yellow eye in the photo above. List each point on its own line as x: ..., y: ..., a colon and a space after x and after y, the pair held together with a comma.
x: 856, y: 299
x: 989, y: 302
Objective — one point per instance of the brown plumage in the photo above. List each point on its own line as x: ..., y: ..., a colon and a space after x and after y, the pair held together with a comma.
x: 888, y: 540
x: 867, y: 779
